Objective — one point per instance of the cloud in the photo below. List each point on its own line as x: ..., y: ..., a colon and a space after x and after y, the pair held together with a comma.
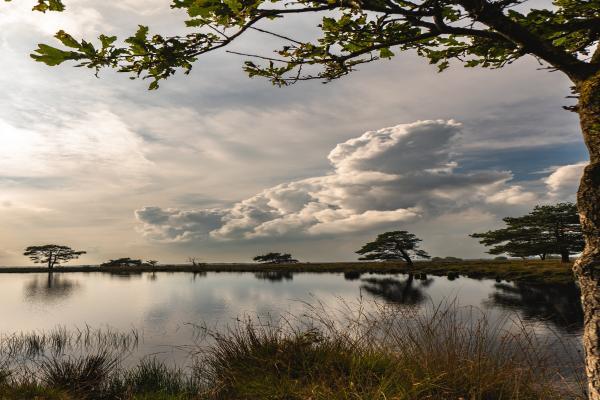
x: 563, y: 182
x: 76, y: 148
x: 171, y: 225
x: 382, y: 178
x: 513, y: 195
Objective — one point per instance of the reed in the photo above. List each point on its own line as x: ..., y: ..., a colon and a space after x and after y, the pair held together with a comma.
x: 355, y: 351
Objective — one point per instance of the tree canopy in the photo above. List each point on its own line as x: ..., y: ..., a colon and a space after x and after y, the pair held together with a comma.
x: 52, y: 254
x: 395, y: 245
x: 480, y: 33
x: 276, y: 258
x: 123, y: 262
x: 548, y: 229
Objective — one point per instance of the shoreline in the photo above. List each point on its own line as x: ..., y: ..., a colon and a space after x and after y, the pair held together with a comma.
x: 552, y: 271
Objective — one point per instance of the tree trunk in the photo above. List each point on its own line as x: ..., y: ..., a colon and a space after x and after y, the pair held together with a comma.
x: 564, y: 256
x: 587, y: 267
x: 406, y: 257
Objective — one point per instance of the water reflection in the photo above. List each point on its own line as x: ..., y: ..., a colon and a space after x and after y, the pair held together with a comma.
x: 274, y: 276
x: 352, y: 275
x: 50, y: 288
x: 198, y: 274
x: 559, y: 304
x: 126, y: 274
x: 162, y: 304
x: 398, y: 291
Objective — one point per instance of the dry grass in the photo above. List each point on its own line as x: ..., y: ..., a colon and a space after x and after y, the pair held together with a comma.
x: 516, y: 270
x: 353, y: 352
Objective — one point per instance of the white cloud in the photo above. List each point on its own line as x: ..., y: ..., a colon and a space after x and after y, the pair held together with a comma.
x: 564, y: 180
x: 514, y: 195
x: 382, y: 178
x: 74, y: 148
x: 81, y: 19
x: 171, y: 225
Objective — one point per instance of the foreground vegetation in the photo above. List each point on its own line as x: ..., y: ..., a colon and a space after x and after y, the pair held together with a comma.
x: 391, y: 353
x: 552, y: 271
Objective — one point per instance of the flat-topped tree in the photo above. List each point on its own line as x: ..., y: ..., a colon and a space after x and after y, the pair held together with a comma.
x: 122, y: 262
x: 547, y: 230
x: 52, y: 254
x: 396, y: 245
x: 275, y: 258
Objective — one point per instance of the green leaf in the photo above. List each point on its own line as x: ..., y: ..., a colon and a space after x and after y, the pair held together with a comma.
x: 107, y: 40
x: 386, y: 53
x: 67, y: 39
x: 52, y: 56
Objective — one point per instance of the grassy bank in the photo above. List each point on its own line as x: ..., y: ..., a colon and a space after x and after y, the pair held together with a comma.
x: 514, y: 270
x: 391, y: 353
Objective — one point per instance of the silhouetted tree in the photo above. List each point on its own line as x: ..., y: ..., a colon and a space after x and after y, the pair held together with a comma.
x: 122, y: 262
x: 52, y: 254
x: 396, y: 245
x: 275, y: 258
x: 550, y: 229
x: 194, y: 261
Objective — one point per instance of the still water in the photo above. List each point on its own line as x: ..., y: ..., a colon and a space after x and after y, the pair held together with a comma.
x: 163, y: 307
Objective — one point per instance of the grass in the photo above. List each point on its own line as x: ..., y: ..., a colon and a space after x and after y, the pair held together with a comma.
x: 61, y: 340
x: 446, y: 353
x: 514, y: 270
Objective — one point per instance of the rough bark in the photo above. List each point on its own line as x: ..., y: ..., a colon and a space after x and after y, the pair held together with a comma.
x: 587, y: 267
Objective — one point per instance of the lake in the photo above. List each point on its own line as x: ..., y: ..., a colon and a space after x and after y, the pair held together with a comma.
x: 164, y: 307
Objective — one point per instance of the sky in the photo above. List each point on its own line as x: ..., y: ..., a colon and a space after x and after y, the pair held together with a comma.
x: 222, y: 167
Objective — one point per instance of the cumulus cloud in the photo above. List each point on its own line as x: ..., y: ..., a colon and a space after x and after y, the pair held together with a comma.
x: 562, y: 183
x: 381, y: 178
x: 173, y: 225
x: 513, y: 195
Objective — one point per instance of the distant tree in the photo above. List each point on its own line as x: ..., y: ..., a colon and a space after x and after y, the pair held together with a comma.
x: 276, y: 258
x: 51, y: 254
x: 122, y: 262
x: 152, y: 263
x: 447, y: 259
x: 550, y: 229
x: 396, y: 245
x: 194, y: 261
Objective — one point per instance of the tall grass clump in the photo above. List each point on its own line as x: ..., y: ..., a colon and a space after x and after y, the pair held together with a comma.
x: 355, y: 352
x: 83, y: 376
x: 445, y: 353
x: 152, y: 376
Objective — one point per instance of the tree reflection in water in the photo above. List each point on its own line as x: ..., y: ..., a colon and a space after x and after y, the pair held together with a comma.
x: 352, y: 275
x: 398, y: 291
x: 274, y: 276
x: 125, y: 274
x: 54, y: 287
x: 556, y: 303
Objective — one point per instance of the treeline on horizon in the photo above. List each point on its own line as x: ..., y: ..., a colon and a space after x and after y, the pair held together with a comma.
x: 546, y: 231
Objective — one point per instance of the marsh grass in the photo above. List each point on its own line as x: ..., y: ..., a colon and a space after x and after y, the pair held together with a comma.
x: 352, y: 352
x: 61, y: 340
x: 448, y: 352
